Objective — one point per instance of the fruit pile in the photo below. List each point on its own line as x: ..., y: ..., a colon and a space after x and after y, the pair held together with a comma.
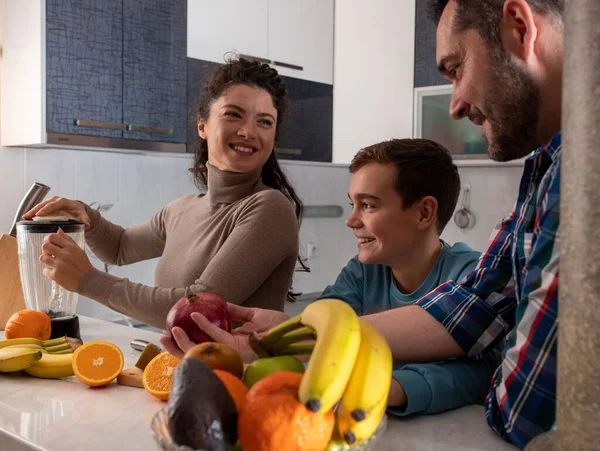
x: 337, y: 402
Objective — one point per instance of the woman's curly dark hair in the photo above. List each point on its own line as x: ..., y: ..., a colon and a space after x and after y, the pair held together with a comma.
x: 242, y: 71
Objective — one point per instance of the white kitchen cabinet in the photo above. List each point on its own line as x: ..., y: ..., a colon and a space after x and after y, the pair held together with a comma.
x: 294, y: 36
x: 301, y: 34
x: 218, y: 27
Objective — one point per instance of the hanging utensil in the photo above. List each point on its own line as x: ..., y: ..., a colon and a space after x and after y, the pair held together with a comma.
x: 464, y: 218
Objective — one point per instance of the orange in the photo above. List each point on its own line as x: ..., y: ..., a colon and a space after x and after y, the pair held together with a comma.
x: 236, y: 388
x: 28, y: 324
x: 97, y: 363
x: 158, y: 375
x: 272, y: 418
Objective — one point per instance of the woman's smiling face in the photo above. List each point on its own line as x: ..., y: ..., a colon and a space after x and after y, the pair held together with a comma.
x: 240, y: 129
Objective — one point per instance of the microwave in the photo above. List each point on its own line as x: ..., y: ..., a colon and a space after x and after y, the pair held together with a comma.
x: 432, y: 121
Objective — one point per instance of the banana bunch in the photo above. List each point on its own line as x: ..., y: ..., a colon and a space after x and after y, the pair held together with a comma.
x: 350, y: 362
x: 40, y: 358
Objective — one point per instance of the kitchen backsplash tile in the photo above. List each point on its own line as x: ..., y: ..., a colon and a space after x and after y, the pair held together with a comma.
x: 138, y: 186
x: 97, y: 182
x: 55, y: 168
x: 493, y: 194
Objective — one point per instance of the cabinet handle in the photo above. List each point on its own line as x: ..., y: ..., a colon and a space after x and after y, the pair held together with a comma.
x: 256, y: 58
x: 99, y: 124
x: 146, y: 129
x: 288, y: 65
x: 285, y: 151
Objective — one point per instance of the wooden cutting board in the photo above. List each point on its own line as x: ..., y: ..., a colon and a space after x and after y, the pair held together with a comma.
x: 11, y: 293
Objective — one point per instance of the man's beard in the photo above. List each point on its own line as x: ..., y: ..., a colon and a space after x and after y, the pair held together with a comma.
x: 512, y: 109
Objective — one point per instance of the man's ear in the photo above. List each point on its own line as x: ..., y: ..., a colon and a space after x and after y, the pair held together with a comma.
x: 201, y: 128
x: 428, y: 212
x: 518, y: 29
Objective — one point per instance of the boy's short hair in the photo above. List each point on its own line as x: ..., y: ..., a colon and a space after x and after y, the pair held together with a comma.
x: 423, y: 168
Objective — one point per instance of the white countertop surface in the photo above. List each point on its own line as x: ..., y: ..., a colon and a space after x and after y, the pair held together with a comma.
x: 64, y: 414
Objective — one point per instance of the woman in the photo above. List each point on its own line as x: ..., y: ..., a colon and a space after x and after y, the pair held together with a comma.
x: 239, y: 240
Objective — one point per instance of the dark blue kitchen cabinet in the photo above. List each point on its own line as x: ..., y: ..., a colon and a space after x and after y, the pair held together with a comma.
x: 155, y: 70
x: 306, y: 131
x: 426, y: 73
x: 117, y: 69
x: 84, y: 40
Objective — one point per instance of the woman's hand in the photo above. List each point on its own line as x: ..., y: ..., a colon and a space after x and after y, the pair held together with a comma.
x: 65, y: 261
x: 255, y: 320
x: 59, y: 206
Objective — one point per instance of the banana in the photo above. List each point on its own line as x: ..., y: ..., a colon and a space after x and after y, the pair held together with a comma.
x: 17, y: 359
x: 33, y: 341
x: 27, y: 346
x: 365, y: 398
x: 52, y: 366
x: 334, y: 353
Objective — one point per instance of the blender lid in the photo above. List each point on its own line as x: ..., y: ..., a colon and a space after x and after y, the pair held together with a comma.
x: 50, y: 224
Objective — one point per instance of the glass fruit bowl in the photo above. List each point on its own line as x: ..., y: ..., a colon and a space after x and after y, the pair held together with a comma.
x: 160, y: 431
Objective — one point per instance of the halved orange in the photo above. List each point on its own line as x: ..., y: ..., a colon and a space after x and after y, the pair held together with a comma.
x: 158, y: 375
x: 97, y: 363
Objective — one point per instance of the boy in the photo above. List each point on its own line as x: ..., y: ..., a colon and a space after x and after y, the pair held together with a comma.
x: 403, y: 194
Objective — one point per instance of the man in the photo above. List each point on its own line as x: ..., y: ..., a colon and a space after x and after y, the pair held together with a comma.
x: 504, y: 59
x: 403, y: 193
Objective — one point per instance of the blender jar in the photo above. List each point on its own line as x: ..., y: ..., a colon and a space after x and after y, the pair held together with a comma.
x: 41, y: 293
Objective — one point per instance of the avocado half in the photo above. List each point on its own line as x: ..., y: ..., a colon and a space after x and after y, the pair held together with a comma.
x: 200, y: 410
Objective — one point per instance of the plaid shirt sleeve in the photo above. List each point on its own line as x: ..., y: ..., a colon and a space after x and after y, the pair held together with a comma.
x: 522, y: 400
x: 479, y: 311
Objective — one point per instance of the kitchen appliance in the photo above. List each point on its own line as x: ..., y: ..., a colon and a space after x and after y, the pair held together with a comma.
x: 40, y: 292
x: 11, y: 293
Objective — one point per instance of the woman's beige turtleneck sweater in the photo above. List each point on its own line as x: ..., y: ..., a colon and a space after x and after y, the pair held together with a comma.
x: 239, y: 241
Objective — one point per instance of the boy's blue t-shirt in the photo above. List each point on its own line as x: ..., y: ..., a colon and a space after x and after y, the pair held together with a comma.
x: 430, y: 387
x: 371, y: 288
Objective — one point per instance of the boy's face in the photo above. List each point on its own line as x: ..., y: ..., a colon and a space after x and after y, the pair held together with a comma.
x: 385, y: 230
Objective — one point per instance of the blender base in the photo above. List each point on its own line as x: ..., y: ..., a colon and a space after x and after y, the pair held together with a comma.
x: 66, y: 325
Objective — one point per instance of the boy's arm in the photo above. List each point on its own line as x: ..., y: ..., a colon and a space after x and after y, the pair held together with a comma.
x: 436, y: 387
x: 348, y: 286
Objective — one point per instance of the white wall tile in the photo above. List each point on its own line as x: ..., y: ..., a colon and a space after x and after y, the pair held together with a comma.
x: 494, y: 192
x: 12, y: 184
x: 150, y: 183
x: 98, y: 182
x: 52, y: 167
x: 322, y: 185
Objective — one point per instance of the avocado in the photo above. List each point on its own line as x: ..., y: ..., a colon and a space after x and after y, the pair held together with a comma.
x: 200, y: 410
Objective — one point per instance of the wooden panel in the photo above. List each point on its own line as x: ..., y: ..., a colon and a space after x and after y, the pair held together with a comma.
x: 11, y: 293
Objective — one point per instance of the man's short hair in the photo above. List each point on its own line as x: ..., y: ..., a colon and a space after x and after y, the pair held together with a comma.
x: 423, y: 168
x: 484, y: 15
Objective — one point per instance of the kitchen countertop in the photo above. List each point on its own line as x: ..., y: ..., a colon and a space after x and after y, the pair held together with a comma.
x: 63, y: 414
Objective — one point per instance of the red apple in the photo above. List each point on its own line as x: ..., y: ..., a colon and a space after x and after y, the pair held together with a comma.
x: 210, y: 305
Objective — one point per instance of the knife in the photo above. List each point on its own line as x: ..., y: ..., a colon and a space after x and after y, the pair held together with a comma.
x: 139, y: 344
x: 34, y: 196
